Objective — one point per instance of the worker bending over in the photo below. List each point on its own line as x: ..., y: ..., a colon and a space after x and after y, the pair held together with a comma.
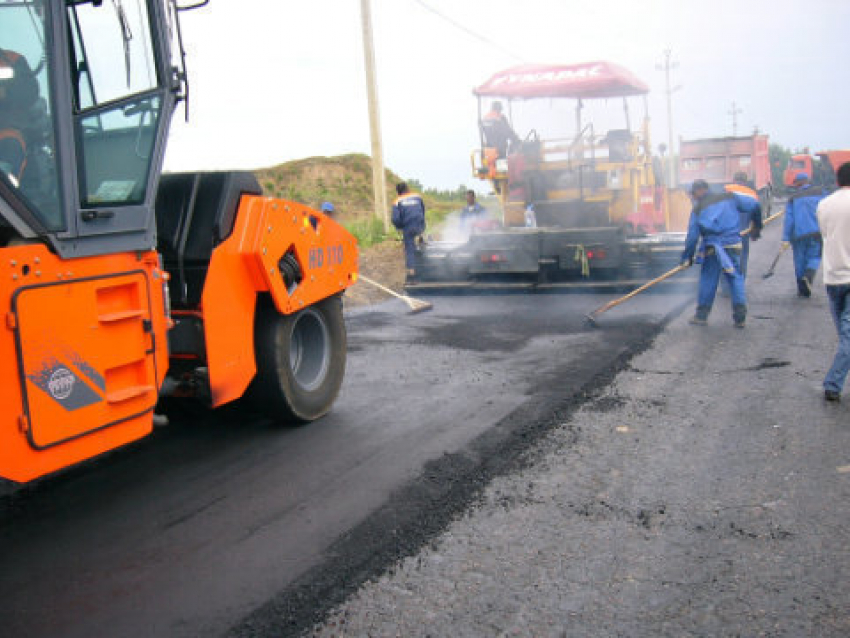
x: 716, y: 219
x: 409, y: 218
x: 802, y: 232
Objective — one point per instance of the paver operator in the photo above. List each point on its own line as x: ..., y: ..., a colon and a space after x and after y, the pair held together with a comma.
x: 409, y: 218
x: 801, y: 230
x: 716, y: 219
x: 497, y: 131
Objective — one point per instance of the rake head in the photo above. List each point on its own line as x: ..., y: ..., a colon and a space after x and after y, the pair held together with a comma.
x: 417, y: 305
x: 590, y: 320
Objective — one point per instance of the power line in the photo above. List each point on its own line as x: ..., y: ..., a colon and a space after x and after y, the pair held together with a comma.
x: 469, y: 31
x: 734, y: 112
x: 667, y: 66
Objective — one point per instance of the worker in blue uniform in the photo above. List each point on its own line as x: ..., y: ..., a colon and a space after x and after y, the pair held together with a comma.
x: 409, y: 218
x: 472, y: 212
x: 751, y: 220
x: 716, y: 219
x: 801, y: 231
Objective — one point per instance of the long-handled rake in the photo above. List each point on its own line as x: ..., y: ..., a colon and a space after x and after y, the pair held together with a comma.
x: 416, y: 305
x: 770, y: 270
x: 591, y: 318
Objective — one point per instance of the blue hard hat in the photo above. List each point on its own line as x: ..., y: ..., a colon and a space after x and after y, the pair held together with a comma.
x: 327, y: 207
x: 801, y: 177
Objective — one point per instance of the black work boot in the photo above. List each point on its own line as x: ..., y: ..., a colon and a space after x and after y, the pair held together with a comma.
x: 804, y: 289
x: 739, y: 315
x: 700, y: 317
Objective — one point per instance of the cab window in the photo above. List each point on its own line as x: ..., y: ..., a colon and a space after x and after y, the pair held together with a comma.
x: 27, y: 141
x: 117, y: 102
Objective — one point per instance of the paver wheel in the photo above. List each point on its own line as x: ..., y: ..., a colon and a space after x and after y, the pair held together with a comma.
x: 300, y: 360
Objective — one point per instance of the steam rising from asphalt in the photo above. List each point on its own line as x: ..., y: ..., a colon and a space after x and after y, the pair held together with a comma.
x: 453, y: 229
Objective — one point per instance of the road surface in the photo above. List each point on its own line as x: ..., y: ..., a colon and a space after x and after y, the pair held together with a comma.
x: 221, y: 525
x: 704, y: 492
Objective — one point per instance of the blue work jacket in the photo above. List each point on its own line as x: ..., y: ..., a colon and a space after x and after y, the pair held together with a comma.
x: 409, y: 214
x: 717, y: 220
x: 800, y: 213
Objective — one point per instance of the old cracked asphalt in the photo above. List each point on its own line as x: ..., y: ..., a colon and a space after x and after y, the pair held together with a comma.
x: 704, y: 492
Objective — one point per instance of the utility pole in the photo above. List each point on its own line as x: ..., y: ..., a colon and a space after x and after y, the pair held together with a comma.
x: 379, y: 182
x: 734, y: 111
x: 666, y: 66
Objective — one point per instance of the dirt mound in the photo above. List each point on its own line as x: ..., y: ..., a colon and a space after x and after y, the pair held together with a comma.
x: 345, y: 180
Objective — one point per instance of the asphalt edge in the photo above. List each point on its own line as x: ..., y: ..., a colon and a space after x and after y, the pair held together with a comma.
x: 417, y: 513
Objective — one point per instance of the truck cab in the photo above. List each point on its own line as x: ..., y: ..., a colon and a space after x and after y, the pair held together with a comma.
x: 820, y: 167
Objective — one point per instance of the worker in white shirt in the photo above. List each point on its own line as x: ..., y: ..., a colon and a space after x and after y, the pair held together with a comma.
x: 833, y: 214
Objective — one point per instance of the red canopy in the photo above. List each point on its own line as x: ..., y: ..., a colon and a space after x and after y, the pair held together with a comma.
x: 590, y: 80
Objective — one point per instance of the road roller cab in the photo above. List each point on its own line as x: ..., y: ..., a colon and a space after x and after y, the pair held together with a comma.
x: 121, y: 285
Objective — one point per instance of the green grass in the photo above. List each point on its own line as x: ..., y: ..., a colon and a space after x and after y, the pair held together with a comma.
x: 368, y: 232
x: 435, y: 215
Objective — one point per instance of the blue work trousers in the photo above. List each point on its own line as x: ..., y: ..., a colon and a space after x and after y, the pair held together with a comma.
x: 839, y: 304
x: 807, y: 252
x: 745, y: 258
x: 710, y: 276
x: 410, y: 249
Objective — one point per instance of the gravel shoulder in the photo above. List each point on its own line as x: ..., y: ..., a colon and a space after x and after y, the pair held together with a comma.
x: 705, y: 491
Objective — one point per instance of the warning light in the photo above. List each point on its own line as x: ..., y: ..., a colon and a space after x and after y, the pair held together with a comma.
x: 492, y: 258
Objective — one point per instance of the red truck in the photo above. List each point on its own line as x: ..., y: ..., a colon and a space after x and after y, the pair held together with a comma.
x: 717, y: 159
x: 821, y: 167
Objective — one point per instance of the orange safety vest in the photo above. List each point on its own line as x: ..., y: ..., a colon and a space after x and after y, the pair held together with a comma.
x: 746, y: 191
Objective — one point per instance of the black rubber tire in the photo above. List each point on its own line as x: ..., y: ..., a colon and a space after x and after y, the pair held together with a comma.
x: 300, y: 360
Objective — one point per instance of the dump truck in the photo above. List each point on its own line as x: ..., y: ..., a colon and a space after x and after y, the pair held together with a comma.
x: 121, y: 285
x: 820, y: 167
x: 581, y: 207
x: 718, y: 159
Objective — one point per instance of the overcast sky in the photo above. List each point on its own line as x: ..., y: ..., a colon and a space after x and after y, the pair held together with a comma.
x: 276, y: 80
